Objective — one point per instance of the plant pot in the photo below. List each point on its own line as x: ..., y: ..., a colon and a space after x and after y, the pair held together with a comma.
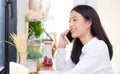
x: 31, y: 64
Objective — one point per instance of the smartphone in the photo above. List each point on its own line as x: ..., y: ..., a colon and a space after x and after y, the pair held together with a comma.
x: 68, y: 37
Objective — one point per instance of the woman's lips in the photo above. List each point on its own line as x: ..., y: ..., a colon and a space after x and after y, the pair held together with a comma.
x: 72, y: 30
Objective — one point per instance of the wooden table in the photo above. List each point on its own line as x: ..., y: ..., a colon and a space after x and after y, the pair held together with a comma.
x: 47, y: 67
x: 43, y: 68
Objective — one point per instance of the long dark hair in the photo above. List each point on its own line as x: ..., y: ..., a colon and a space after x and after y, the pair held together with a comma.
x: 96, y: 29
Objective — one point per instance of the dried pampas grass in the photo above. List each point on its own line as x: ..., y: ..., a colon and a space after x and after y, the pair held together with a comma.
x: 20, y: 43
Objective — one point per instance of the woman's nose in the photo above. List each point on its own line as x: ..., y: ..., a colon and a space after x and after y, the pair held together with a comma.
x: 70, y: 24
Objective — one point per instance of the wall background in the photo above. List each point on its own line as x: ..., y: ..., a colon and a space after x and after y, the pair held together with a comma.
x: 22, y: 6
x: 109, y: 12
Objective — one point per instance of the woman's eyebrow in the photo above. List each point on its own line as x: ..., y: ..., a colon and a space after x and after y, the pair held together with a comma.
x: 73, y: 17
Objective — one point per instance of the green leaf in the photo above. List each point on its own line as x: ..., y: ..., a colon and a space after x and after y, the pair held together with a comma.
x: 36, y: 28
x: 33, y: 53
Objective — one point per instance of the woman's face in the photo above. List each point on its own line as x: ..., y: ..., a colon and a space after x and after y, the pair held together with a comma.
x: 79, y: 27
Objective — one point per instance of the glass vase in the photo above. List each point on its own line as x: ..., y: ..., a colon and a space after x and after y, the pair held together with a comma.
x: 35, y: 42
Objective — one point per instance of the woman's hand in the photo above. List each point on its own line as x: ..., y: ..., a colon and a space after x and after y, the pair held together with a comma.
x: 62, y: 41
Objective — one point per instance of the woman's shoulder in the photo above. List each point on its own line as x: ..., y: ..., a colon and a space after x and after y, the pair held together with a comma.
x: 99, y: 44
x: 96, y: 45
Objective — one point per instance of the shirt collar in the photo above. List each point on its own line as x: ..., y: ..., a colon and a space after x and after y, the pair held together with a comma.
x: 88, y: 44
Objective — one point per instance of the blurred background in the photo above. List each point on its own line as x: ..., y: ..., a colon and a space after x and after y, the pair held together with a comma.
x: 12, y: 19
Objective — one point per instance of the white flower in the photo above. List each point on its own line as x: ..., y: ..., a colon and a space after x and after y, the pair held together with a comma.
x: 34, y: 16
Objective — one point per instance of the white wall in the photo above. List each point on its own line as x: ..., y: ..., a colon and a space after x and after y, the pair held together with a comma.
x: 22, y: 6
x: 92, y: 3
x: 59, y: 16
x: 109, y: 11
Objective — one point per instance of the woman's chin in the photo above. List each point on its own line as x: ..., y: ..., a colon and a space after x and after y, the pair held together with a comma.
x: 73, y: 36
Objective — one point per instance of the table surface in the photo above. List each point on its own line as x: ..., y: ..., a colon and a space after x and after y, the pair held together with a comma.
x: 43, y: 68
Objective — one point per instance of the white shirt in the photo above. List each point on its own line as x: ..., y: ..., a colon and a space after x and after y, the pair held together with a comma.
x: 93, y: 60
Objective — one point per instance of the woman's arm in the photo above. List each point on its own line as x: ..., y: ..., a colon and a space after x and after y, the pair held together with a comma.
x: 93, y: 60
x: 60, y: 62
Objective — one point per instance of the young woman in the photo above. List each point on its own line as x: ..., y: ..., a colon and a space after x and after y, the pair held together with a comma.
x: 92, y: 50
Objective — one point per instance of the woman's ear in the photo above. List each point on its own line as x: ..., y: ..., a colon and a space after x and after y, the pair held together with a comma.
x: 89, y: 23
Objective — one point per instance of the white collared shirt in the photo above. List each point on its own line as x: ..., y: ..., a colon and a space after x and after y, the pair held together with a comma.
x: 93, y: 60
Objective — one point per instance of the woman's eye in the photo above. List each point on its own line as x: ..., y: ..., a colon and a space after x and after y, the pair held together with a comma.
x: 74, y: 19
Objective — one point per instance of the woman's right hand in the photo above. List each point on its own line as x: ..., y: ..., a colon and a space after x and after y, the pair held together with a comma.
x: 62, y: 41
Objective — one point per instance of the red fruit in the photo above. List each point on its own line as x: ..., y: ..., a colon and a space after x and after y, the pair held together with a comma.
x: 47, y: 61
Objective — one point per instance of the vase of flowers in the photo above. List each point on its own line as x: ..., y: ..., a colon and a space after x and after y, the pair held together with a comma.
x: 35, y: 23
x: 35, y: 20
x: 35, y: 27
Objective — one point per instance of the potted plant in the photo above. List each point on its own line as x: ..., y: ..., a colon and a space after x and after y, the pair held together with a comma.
x: 35, y: 29
x: 33, y: 55
x: 35, y: 23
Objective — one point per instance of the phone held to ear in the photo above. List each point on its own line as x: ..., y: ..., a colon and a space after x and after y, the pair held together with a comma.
x: 68, y: 37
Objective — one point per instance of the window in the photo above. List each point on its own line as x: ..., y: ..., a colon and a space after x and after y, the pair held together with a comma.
x: 2, y: 34
x: 8, y: 21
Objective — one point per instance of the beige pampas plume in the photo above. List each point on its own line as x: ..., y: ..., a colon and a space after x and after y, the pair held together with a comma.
x: 20, y: 43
